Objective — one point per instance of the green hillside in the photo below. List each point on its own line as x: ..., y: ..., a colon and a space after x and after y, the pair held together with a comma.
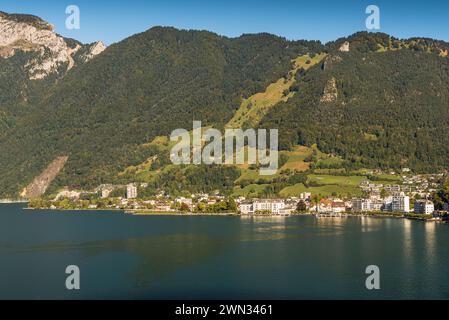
x: 390, y: 109
x: 385, y: 103
x: 102, y: 114
x: 253, y: 109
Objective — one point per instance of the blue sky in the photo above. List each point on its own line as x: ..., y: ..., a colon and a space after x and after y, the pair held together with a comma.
x: 325, y: 20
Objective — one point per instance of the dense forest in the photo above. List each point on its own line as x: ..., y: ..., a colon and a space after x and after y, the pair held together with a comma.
x: 103, y: 112
x: 390, y: 108
x: 385, y: 103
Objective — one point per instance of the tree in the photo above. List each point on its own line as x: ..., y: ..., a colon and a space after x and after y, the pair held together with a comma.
x: 301, y: 207
x: 441, y: 196
x: 232, y: 206
x: 184, y: 207
x: 201, y: 207
x: 316, y: 200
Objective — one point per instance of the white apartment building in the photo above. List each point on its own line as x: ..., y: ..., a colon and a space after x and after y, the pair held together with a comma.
x: 400, y: 203
x: 367, y: 205
x: 246, y: 207
x: 131, y: 191
x: 272, y: 205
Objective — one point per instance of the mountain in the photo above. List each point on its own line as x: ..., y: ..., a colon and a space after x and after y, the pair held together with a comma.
x: 384, y: 103
x: 32, y: 57
x: 88, y: 116
x: 102, y: 113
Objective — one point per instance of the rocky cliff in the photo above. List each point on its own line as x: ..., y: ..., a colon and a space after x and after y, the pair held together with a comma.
x: 54, y: 53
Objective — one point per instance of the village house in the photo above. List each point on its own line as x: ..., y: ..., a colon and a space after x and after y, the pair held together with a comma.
x: 246, y: 207
x: 330, y: 206
x: 325, y: 205
x: 338, y: 206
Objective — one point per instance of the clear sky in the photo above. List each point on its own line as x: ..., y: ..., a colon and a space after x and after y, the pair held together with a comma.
x: 325, y: 20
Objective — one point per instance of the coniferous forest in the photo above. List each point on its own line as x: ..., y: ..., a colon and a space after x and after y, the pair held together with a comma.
x: 382, y: 104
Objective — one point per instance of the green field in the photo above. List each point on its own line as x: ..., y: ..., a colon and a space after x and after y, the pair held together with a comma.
x: 325, y: 191
x: 389, y: 178
x: 249, y: 191
x: 337, y: 180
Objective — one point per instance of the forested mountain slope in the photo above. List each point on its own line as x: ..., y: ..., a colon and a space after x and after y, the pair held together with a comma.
x: 377, y: 107
x: 102, y: 113
x: 373, y: 100
x: 32, y: 58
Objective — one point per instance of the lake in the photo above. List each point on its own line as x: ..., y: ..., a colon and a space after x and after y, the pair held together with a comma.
x: 205, y: 257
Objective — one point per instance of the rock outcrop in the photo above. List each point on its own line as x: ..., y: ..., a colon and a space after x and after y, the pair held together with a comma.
x: 53, y: 52
x: 330, y: 93
x: 344, y: 47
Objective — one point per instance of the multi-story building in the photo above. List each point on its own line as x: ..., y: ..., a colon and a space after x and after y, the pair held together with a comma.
x: 131, y: 191
x: 373, y: 204
x: 361, y: 205
x: 246, y: 207
x: 400, y: 202
x: 272, y: 205
x: 424, y: 207
x: 377, y: 205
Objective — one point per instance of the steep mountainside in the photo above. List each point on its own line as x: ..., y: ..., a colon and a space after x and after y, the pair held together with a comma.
x: 102, y: 113
x: 368, y: 100
x: 32, y: 57
x: 373, y: 106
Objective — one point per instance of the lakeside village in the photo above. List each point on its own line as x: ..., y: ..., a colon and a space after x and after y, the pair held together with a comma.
x: 414, y: 199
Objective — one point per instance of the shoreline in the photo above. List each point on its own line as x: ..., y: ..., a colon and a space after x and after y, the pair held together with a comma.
x: 176, y: 213
x: 9, y: 201
x: 138, y: 212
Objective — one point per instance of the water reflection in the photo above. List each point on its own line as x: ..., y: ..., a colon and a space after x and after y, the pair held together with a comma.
x: 158, y: 255
x: 162, y: 255
x: 430, y: 230
x: 297, y: 256
x: 407, y: 241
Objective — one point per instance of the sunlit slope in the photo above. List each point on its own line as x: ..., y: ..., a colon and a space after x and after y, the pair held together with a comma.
x: 253, y: 109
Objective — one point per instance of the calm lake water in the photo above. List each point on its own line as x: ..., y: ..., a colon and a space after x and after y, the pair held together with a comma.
x: 163, y: 257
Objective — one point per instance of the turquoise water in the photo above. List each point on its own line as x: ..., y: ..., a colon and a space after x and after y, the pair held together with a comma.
x: 163, y: 257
